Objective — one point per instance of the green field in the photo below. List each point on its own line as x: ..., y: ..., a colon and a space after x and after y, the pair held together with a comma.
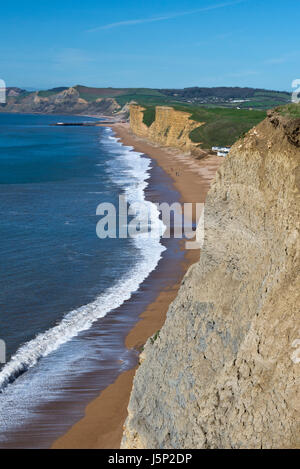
x: 267, y: 99
x: 143, y: 96
x: 123, y: 95
x: 222, y: 126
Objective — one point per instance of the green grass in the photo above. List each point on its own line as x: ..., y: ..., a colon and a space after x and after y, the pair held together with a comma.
x: 155, y: 337
x: 91, y: 94
x: 223, y: 126
x: 261, y: 100
x: 47, y: 93
x: 266, y: 100
x: 123, y: 95
x: 144, y: 99
x: 149, y: 115
x: 292, y: 111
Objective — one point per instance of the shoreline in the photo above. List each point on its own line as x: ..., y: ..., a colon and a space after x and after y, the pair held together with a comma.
x: 191, y: 176
x: 102, y: 425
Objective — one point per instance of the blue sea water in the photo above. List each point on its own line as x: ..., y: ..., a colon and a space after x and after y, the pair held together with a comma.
x: 57, y: 277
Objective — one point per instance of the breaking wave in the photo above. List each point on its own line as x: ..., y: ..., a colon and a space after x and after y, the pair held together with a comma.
x: 130, y: 170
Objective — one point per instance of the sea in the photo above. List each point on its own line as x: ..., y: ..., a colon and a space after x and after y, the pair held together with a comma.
x: 62, y: 287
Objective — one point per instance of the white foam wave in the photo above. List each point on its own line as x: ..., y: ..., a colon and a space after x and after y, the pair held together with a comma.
x: 135, y: 172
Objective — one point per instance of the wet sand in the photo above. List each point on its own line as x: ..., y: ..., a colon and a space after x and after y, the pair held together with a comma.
x: 102, y: 425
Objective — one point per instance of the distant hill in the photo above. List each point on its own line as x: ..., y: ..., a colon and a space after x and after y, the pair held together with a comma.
x: 230, y: 96
x: 82, y: 99
x: 62, y: 100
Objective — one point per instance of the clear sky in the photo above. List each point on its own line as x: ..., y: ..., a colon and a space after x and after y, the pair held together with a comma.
x: 153, y: 43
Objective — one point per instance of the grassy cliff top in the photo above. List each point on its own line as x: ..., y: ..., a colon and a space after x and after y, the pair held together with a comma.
x: 291, y: 111
x: 223, y: 126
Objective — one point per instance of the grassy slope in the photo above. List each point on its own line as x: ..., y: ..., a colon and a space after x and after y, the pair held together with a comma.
x: 292, y: 111
x: 223, y: 126
x: 230, y: 97
x: 267, y: 99
x: 143, y: 96
x: 122, y: 95
x: 92, y: 94
x: 52, y: 92
x: 149, y: 115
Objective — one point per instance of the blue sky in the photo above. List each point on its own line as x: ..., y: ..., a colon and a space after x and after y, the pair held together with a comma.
x: 153, y: 43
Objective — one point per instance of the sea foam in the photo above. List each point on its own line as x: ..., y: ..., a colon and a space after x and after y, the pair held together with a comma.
x: 135, y: 172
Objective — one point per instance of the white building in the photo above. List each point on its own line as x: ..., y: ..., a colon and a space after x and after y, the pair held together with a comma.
x: 221, y: 151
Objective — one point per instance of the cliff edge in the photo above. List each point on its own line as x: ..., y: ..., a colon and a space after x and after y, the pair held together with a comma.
x: 224, y: 370
x: 170, y: 127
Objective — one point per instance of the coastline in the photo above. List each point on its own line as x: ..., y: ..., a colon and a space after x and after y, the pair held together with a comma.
x: 191, y: 176
x: 102, y: 425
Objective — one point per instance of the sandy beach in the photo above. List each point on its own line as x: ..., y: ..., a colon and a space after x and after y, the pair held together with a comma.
x: 102, y: 425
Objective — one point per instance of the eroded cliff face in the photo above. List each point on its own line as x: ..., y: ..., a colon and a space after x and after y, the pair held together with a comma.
x: 224, y: 371
x: 171, y: 128
x: 64, y: 102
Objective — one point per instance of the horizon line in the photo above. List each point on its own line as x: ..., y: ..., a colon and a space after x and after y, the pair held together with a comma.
x: 34, y: 89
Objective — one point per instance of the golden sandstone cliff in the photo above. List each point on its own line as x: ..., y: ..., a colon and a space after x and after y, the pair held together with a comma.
x: 224, y: 370
x: 170, y: 128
